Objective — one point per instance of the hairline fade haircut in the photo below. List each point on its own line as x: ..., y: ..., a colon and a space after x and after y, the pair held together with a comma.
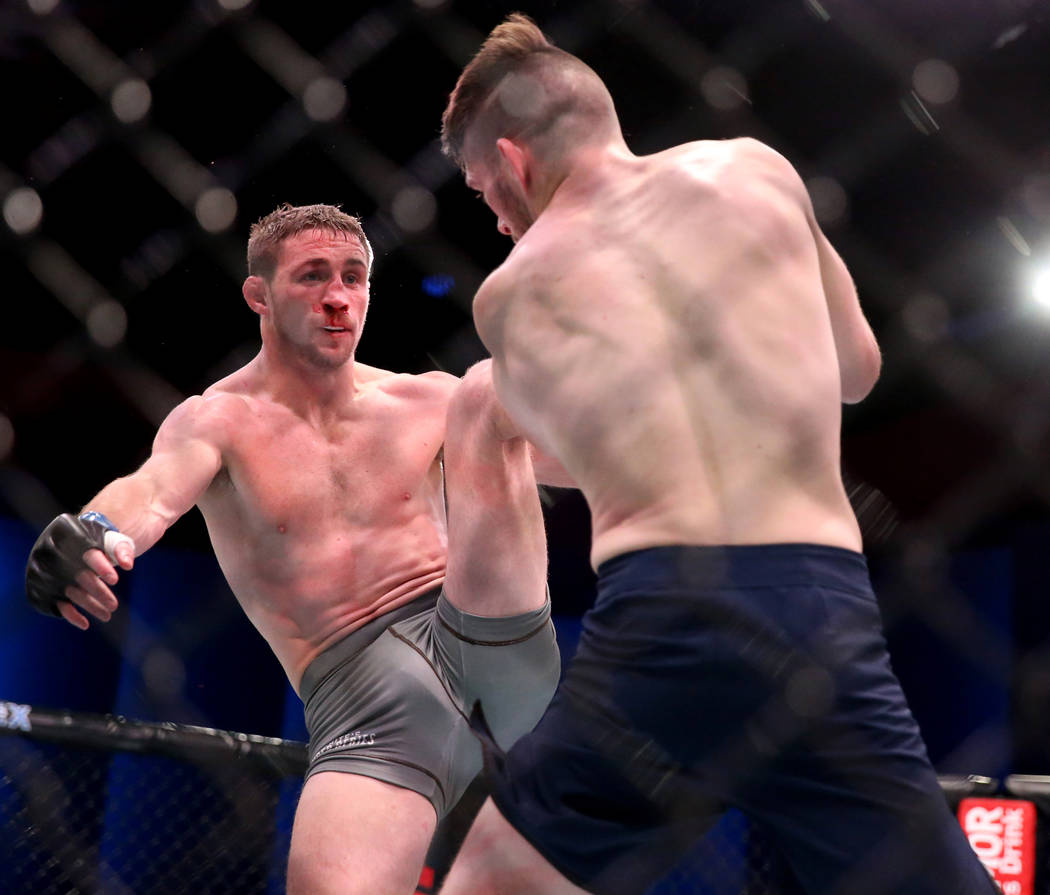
x: 550, y: 84
x: 269, y: 232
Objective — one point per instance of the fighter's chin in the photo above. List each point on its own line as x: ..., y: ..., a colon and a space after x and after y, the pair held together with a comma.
x: 330, y: 360
x: 517, y: 233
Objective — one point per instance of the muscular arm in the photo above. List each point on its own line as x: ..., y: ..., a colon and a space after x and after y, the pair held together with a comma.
x: 858, y: 352
x: 186, y: 457
x: 183, y: 463
x: 859, y: 358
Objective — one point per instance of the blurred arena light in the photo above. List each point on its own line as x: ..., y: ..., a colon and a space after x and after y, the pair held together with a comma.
x: 414, y: 208
x: 324, y: 98
x: 438, y: 285
x: 724, y: 88
x: 107, y: 323
x: 1041, y: 286
x: 23, y: 210
x: 216, y: 209
x: 1014, y: 236
x: 42, y: 7
x: 916, y: 112
x: 830, y: 202
x: 935, y: 81
x: 131, y: 100
x: 818, y: 10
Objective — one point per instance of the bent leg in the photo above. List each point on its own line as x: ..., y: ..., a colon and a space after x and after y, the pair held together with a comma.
x: 497, y: 548
x: 496, y: 858
x: 357, y: 836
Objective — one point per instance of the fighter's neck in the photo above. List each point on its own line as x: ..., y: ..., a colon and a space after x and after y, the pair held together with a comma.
x: 309, y: 391
x: 591, y: 171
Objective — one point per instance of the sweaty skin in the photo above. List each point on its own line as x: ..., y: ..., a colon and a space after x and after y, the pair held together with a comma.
x: 694, y: 292
x: 318, y: 476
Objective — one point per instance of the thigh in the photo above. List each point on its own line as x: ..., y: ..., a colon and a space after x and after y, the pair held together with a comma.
x: 510, y: 664
x: 855, y: 805
x: 497, y: 549
x: 388, y: 714
x: 354, y: 835
x: 497, y: 858
x: 662, y: 717
x: 605, y: 787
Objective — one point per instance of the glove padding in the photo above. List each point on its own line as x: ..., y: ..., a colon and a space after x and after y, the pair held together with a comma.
x: 58, y: 555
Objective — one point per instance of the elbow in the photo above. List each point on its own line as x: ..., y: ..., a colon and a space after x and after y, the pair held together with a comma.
x: 863, y: 373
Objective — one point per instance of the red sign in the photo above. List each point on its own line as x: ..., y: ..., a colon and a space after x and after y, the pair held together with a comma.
x: 1002, y: 832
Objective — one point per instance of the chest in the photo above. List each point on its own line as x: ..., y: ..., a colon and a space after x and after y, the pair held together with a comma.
x: 358, y: 470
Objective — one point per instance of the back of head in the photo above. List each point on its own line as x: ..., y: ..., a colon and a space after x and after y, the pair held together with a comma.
x: 267, y: 234
x: 519, y: 85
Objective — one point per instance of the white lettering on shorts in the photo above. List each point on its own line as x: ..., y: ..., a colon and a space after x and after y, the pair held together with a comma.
x: 348, y: 741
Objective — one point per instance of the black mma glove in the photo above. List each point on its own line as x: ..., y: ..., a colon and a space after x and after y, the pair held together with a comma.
x: 58, y: 555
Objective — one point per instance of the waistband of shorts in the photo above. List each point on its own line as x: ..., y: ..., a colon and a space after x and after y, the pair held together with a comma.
x: 338, y: 653
x: 740, y: 565
x: 485, y: 630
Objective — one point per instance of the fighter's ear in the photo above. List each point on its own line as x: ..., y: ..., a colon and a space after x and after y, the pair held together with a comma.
x: 255, y: 293
x: 518, y: 158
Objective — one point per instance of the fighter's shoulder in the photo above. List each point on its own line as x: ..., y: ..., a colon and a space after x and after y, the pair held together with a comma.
x: 433, y: 385
x: 545, y: 247
x: 215, y: 417
x: 738, y: 152
x: 762, y: 157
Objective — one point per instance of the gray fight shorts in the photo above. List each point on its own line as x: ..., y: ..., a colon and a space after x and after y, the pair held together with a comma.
x: 391, y: 700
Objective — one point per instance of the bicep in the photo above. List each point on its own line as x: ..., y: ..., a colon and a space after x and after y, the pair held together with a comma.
x: 855, y: 345
x: 185, y: 458
x: 179, y: 471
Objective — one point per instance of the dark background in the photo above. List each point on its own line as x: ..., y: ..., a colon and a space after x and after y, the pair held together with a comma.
x: 123, y: 297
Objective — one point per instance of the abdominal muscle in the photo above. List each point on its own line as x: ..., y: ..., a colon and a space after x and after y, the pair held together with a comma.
x: 310, y: 586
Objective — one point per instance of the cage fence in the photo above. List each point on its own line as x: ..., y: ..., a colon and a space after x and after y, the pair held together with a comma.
x: 184, y: 123
x: 104, y: 805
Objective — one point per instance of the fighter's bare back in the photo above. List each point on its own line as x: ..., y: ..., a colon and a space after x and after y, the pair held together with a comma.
x: 695, y: 287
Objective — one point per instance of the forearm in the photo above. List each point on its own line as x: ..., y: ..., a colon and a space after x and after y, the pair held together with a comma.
x: 131, y: 504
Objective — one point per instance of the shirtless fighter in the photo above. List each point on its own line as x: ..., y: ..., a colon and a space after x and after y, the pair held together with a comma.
x: 677, y: 331
x: 320, y: 480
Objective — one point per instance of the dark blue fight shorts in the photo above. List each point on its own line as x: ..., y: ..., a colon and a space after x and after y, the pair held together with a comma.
x: 754, y: 677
